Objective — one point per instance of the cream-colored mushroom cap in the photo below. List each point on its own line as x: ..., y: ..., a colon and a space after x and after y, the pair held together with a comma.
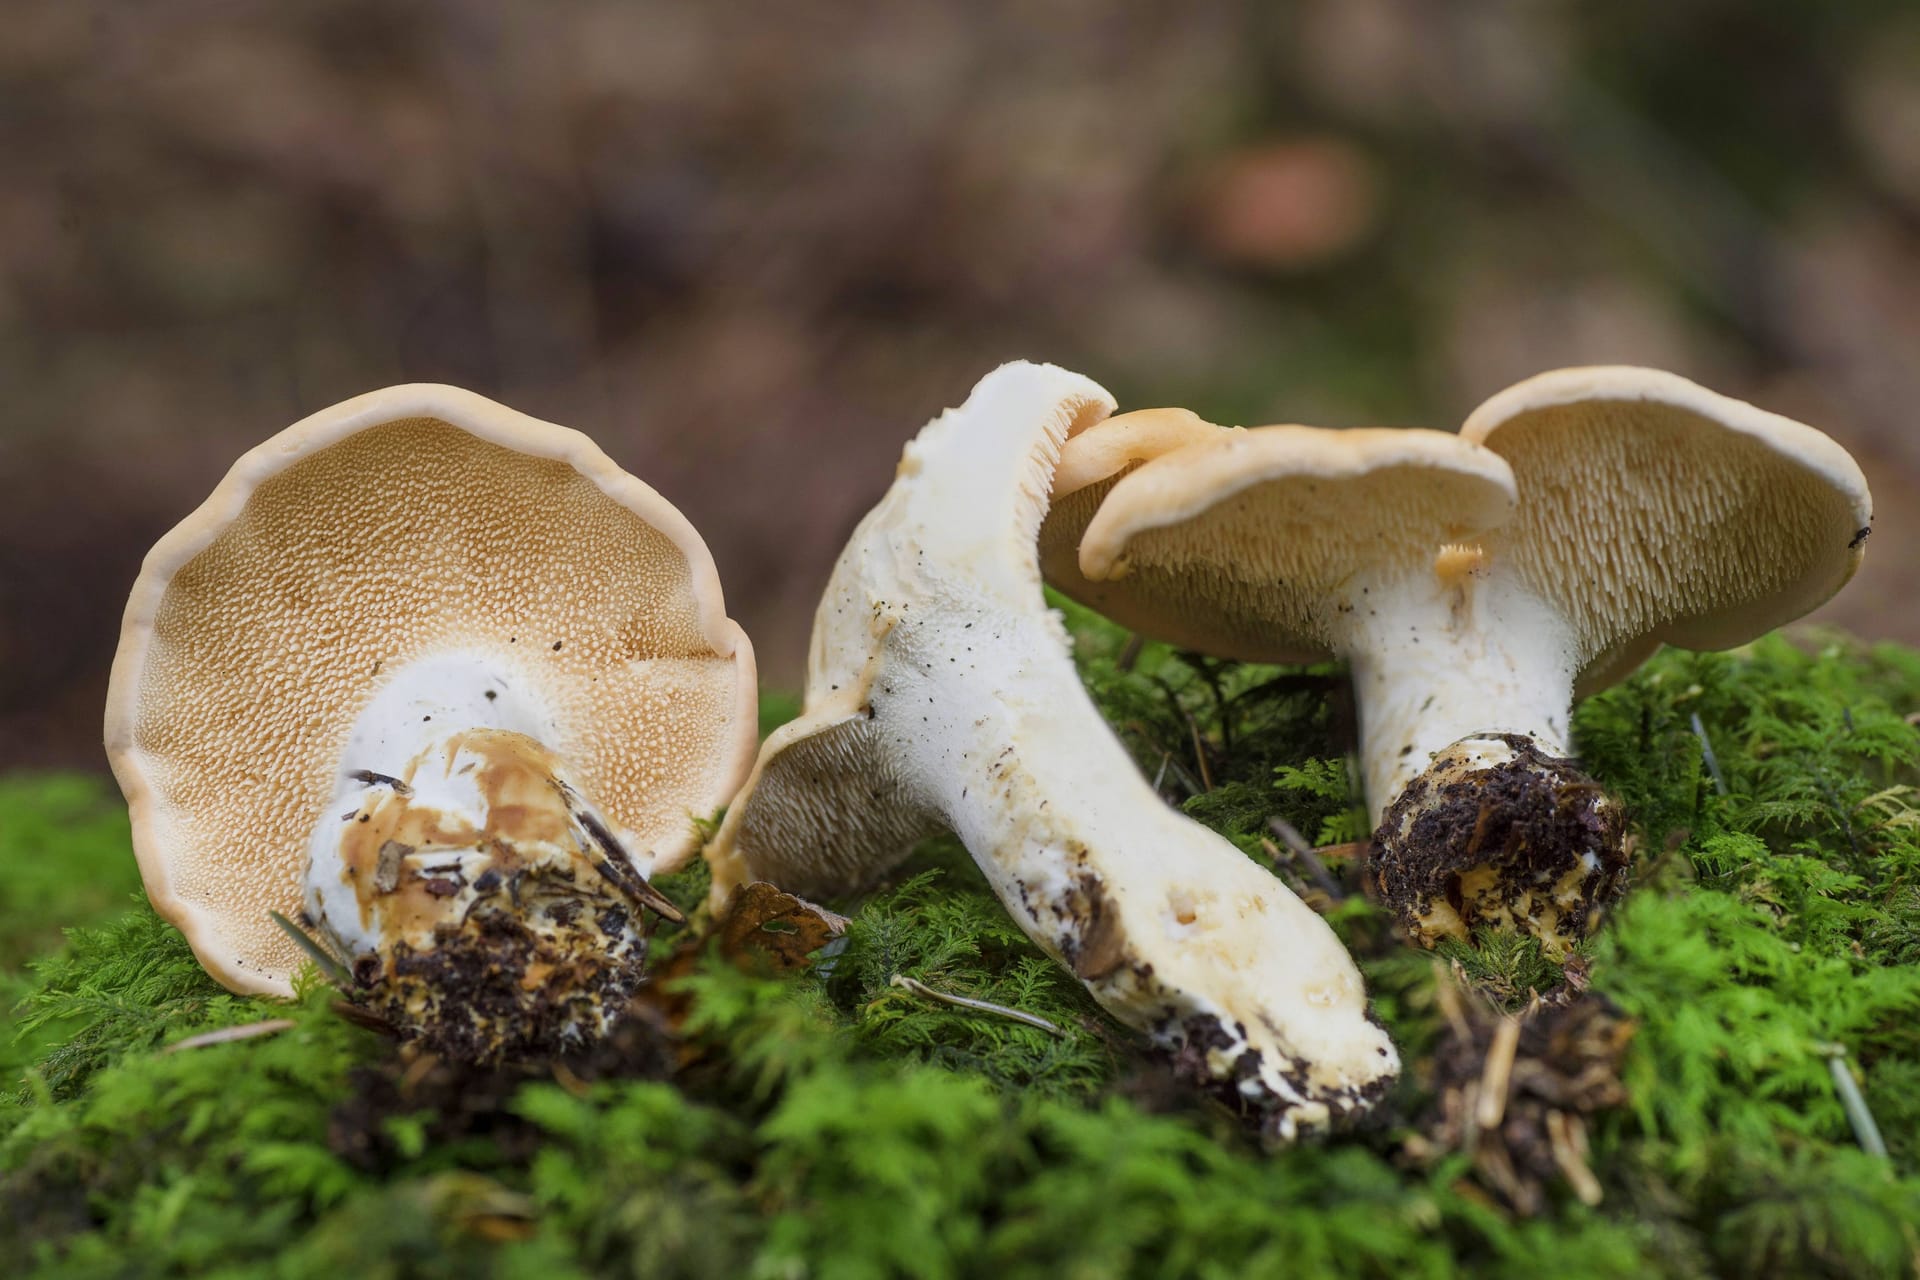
x: 1247, y: 544
x: 1092, y: 461
x: 400, y: 526
x: 1653, y: 510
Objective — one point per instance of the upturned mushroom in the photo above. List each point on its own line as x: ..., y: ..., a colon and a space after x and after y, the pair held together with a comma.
x: 446, y: 679
x: 1475, y: 585
x: 940, y: 694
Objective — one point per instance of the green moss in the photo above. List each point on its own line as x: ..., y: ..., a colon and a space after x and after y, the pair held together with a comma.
x: 835, y: 1125
x: 63, y: 841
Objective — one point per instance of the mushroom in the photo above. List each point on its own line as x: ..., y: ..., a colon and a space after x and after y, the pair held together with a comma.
x: 448, y: 679
x: 940, y: 694
x: 1475, y: 585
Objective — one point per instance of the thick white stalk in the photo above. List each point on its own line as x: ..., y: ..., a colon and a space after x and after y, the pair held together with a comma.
x: 1464, y: 680
x: 940, y: 692
x: 1443, y: 653
x: 1171, y: 927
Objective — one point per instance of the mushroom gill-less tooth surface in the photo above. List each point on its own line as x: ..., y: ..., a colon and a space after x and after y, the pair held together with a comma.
x: 446, y: 678
x: 940, y: 694
x: 1475, y: 584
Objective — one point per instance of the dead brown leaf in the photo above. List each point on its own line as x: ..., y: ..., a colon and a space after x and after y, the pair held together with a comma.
x: 766, y: 924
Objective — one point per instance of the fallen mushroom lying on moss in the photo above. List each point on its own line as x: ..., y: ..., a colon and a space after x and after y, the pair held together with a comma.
x: 1475, y: 584
x: 447, y: 679
x: 940, y: 693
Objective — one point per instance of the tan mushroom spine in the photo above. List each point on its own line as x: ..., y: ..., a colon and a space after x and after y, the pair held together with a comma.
x: 969, y: 714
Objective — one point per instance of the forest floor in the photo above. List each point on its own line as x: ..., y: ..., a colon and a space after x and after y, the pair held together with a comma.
x: 1675, y: 1102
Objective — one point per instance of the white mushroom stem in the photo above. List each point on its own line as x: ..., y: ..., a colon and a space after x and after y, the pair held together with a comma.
x: 1445, y: 652
x: 941, y: 692
x: 1464, y: 680
x: 1173, y: 929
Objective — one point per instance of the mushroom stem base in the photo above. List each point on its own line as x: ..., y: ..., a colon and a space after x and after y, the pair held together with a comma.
x: 501, y: 987
x: 484, y: 905
x: 1497, y: 833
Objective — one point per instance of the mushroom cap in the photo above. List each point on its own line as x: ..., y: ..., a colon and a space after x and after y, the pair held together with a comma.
x: 831, y: 803
x: 1092, y: 461
x: 1653, y: 511
x: 1244, y: 543
x: 392, y: 527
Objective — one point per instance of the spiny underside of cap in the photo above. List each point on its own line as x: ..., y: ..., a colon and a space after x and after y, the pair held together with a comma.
x: 1640, y: 518
x: 831, y: 811
x: 1239, y: 545
x: 399, y: 541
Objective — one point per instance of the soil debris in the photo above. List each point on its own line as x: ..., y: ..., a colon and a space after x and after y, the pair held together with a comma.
x: 1516, y: 1091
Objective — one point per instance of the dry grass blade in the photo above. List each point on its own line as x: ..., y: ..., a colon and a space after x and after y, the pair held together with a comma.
x: 905, y: 983
x: 1568, y: 1136
x: 335, y: 972
x: 1498, y: 1074
x: 227, y: 1035
x: 1309, y: 857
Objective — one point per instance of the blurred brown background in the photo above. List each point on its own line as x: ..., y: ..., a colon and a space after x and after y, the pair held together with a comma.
x: 752, y: 248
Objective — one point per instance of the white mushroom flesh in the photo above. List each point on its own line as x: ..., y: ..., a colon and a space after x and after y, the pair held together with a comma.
x: 473, y: 892
x: 448, y: 741
x: 1445, y: 652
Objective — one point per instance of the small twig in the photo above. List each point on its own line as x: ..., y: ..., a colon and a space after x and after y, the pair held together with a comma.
x: 1167, y: 762
x: 1210, y: 676
x: 1865, y: 1131
x: 617, y: 869
x: 1309, y: 858
x: 1193, y: 727
x: 568, y: 1080
x: 1497, y: 1075
x: 1161, y: 776
x: 1706, y: 753
x: 905, y: 983
x: 360, y: 1017
x: 272, y: 1026
x: 1200, y: 753
x: 1567, y: 1135
x: 417, y: 1071
x: 1130, y: 652
x: 1283, y: 868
